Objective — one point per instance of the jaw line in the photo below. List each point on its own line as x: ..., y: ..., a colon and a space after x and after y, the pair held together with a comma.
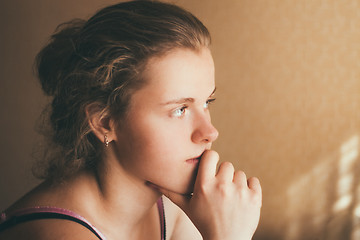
x: 157, y: 188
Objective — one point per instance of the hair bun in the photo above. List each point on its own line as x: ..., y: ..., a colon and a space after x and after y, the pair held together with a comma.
x: 53, y: 63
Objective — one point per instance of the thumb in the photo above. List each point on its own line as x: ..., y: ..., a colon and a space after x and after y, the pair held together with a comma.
x: 180, y: 200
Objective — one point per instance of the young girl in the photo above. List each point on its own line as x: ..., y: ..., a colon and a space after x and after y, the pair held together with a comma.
x: 130, y: 122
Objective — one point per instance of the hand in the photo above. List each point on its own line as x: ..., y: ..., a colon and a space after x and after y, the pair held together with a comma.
x: 225, y: 205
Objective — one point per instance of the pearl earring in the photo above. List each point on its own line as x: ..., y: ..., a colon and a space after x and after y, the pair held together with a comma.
x: 106, y: 141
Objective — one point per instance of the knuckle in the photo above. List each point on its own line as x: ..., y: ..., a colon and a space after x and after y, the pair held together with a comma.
x: 227, y: 165
x: 203, y: 189
x: 256, y: 199
x: 243, y: 192
x: 241, y: 175
x: 222, y: 188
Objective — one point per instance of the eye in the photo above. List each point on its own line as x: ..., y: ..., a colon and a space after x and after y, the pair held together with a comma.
x: 208, y: 102
x: 179, y: 112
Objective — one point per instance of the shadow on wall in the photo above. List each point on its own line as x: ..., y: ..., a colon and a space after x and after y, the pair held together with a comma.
x: 325, y: 202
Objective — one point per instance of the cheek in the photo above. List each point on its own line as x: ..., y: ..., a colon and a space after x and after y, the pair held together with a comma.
x: 147, y: 137
x: 156, y: 132
x: 162, y: 142
x: 157, y: 153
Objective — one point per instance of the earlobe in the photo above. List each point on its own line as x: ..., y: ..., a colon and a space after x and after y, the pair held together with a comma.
x: 106, y: 141
x: 102, y: 126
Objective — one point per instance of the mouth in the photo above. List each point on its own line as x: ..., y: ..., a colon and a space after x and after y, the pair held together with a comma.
x: 195, y: 160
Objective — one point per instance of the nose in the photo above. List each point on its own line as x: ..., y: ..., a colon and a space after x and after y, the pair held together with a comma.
x: 204, y: 131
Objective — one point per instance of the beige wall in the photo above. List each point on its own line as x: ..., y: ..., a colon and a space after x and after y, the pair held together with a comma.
x: 288, y: 108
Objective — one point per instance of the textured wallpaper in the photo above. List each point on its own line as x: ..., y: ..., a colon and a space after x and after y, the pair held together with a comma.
x: 288, y: 110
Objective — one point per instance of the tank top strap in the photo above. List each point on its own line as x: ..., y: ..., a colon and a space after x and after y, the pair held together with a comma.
x: 160, y: 204
x: 34, y: 213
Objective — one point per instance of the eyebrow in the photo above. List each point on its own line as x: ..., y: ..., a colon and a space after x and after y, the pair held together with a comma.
x: 185, y: 100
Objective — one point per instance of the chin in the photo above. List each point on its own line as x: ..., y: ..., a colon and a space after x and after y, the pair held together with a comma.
x: 189, y: 189
x: 191, y: 184
x: 183, y: 189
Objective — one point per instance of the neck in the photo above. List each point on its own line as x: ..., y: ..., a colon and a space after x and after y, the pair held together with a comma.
x: 124, y: 199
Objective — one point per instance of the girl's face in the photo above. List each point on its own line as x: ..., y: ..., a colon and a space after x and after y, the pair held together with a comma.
x: 168, y: 126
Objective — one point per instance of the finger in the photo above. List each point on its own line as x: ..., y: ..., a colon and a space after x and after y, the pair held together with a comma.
x: 226, y: 172
x: 254, y: 184
x: 207, y: 166
x: 240, y: 179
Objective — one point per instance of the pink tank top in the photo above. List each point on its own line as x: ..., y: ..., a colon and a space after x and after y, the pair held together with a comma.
x: 28, y: 214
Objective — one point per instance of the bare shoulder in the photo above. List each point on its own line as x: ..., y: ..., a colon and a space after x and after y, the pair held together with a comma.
x: 178, y: 225
x: 46, y: 229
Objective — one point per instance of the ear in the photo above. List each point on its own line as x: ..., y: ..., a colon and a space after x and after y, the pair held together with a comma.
x: 99, y: 123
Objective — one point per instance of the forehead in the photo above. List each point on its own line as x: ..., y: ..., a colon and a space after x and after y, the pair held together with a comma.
x: 180, y: 72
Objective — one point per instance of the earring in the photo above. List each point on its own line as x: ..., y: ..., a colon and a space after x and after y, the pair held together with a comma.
x: 106, y: 141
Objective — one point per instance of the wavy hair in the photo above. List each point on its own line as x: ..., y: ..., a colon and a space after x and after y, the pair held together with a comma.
x: 99, y: 62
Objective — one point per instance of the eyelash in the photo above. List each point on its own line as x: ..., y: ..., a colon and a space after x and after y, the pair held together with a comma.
x: 209, y: 102
x: 179, y: 112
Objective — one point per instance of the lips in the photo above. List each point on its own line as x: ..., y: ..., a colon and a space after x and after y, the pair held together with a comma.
x: 195, y: 160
